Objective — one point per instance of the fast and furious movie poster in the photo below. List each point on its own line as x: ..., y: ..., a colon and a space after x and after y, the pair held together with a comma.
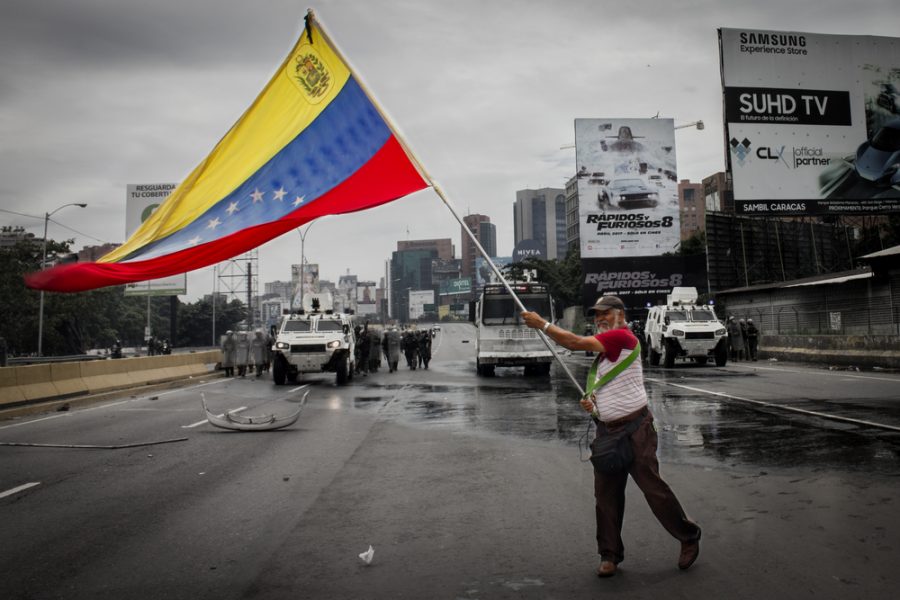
x: 627, y: 187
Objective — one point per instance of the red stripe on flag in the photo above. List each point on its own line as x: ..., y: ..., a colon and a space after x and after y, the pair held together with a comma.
x: 387, y: 176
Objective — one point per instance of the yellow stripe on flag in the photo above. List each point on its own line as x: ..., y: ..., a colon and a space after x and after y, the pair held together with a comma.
x: 307, y: 81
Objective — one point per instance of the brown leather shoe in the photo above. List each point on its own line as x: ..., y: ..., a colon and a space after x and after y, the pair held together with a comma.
x: 689, y: 553
x: 607, y: 568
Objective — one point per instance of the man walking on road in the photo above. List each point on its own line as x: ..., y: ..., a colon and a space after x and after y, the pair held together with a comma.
x: 620, y: 403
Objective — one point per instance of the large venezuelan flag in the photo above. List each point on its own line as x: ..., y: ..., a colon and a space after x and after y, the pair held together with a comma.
x: 312, y: 144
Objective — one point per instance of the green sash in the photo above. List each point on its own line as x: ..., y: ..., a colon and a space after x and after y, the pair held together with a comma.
x: 592, y: 384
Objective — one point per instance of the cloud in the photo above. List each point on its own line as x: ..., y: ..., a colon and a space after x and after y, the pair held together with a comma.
x: 97, y: 94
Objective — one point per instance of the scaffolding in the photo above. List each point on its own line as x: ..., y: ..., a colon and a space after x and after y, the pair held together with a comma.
x: 239, y: 280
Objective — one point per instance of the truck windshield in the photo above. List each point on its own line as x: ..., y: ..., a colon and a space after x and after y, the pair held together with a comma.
x: 502, y: 310
x: 290, y: 326
x: 328, y: 325
x: 677, y: 315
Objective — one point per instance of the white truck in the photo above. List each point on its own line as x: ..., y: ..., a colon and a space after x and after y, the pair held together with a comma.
x: 502, y: 338
x: 314, y: 341
x: 683, y: 329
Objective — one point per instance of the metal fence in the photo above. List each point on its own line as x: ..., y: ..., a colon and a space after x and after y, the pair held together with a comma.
x: 860, y: 307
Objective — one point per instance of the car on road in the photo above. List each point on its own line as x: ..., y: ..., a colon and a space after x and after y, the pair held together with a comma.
x: 627, y: 193
x: 878, y: 159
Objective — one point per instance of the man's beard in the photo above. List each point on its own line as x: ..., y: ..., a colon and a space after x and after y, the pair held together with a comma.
x: 605, y: 325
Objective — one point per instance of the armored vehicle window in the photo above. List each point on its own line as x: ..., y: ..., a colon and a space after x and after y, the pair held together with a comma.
x: 702, y: 315
x: 296, y: 326
x: 677, y: 315
x: 328, y: 325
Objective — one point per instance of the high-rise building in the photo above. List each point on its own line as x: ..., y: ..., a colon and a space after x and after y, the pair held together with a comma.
x: 717, y: 193
x: 282, y: 289
x: 540, y: 215
x: 484, y: 231
x: 444, y: 247
x: 411, y: 270
x: 691, y: 208
x: 573, y: 236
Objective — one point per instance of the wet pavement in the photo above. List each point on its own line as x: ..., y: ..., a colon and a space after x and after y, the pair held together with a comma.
x: 694, y: 428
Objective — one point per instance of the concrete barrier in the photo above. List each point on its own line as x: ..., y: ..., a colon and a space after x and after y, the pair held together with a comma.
x: 33, y: 383
x: 863, y: 351
x: 66, y: 378
x: 9, y: 387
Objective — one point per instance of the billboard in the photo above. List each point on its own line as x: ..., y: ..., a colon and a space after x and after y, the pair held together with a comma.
x: 627, y: 187
x: 141, y: 201
x: 365, y: 298
x: 453, y: 287
x: 641, y: 281
x: 419, y: 303
x: 811, y: 121
x: 483, y: 272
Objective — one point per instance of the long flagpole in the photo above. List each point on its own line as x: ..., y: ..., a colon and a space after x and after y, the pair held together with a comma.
x: 440, y: 192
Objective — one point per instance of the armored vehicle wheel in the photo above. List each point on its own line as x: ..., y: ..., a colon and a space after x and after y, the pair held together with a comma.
x: 654, y: 357
x: 722, y: 353
x: 278, y: 370
x: 343, y: 371
x: 669, y: 355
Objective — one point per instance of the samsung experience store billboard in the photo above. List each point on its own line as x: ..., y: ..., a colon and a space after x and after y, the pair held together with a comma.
x: 812, y: 121
x: 627, y: 187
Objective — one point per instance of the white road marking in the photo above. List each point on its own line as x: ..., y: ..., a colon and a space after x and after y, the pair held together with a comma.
x: 198, y: 423
x: 777, y: 406
x: 818, y: 372
x: 35, y: 420
x: 21, y: 488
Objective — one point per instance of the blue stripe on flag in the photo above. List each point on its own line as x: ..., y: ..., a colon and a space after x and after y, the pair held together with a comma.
x: 342, y: 139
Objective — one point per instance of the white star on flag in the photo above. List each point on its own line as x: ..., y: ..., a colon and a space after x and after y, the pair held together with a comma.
x: 194, y: 240
x: 213, y: 223
x: 232, y: 208
x: 257, y: 196
x: 298, y: 201
x: 279, y: 194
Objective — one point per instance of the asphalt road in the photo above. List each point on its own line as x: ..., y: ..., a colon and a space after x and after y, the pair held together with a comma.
x: 465, y: 487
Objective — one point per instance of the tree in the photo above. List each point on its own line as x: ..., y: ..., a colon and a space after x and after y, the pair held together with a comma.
x: 195, y: 321
x: 73, y: 323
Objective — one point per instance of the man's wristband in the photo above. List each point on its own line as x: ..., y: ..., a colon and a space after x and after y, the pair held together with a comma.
x: 546, y: 326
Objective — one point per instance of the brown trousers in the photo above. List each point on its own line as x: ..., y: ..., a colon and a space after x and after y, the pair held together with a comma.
x: 609, y: 491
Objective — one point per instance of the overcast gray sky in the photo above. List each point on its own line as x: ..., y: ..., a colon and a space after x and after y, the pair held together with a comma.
x: 97, y: 94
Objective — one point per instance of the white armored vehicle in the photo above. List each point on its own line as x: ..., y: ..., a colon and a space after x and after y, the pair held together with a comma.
x: 314, y: 341
x: 683, y: 329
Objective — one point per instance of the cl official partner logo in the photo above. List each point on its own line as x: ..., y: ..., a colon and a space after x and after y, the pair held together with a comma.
x: 769, y: 153
x: 309, y: 71
x: 741, y: 150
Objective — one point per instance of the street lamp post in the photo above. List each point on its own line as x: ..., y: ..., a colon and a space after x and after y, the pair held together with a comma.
x: 47, y: 216
x: 302, y: 259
